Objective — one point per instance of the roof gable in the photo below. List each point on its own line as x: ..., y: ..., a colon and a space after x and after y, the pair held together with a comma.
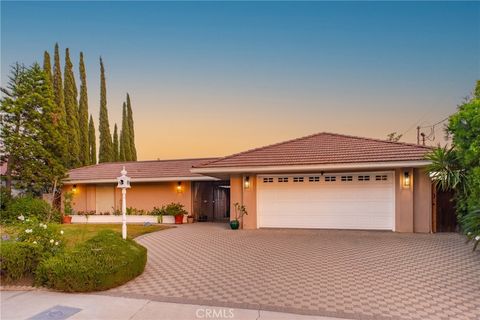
x: 323, y: 148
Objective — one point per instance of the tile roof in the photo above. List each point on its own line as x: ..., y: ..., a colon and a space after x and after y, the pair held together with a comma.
x: 323, y: 148
x: 137, y: 170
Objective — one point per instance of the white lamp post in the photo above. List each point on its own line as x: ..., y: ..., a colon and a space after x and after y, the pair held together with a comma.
x: 124, y: 184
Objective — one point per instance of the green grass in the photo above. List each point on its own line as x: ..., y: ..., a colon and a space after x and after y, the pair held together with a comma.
x: 76, y: 233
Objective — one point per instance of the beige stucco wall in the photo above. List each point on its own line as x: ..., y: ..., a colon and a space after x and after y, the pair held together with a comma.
x: 422, y: 202
x: 140, y: 196
x: 247, y: 197
x: 413, y: 206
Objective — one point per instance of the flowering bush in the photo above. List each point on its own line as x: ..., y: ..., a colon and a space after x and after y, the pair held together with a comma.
x: 46, y: 236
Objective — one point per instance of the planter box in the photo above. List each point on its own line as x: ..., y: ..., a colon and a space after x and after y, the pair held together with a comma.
x: 113, y: 219
x: 168, y: 219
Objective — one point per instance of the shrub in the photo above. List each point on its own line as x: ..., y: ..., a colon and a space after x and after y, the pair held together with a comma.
x: 172, y: 209
x: 18, y: 259
x: 105, y: 261
x: 46, y: 236
x: 28, y: 206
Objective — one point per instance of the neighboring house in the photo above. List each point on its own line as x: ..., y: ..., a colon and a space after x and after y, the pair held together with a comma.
x: 320, y: 181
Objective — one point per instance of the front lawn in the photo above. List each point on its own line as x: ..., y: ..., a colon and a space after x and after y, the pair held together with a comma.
x: 75, y: 233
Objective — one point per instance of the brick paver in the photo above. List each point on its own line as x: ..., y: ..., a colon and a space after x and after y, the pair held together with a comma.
x: 352, y: 274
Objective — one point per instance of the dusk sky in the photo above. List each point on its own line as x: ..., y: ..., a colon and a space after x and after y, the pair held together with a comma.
x: 214, y: 78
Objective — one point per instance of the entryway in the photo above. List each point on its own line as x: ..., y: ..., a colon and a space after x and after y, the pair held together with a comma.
x: 211, y: 201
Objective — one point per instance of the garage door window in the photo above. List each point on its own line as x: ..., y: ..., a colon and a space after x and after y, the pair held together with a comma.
x: 283, y: 179
x: 314, y: 179
x: 381, y: 178
x: 347, y: 178
x: 267, y: 180
x: 363, y: 178
x: 330, y: 179
x: 297, y: 179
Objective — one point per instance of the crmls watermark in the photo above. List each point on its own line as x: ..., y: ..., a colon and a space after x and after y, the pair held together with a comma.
x: 214, y: 313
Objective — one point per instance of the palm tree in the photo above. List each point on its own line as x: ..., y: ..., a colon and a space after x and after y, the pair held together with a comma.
x: 445, y: 170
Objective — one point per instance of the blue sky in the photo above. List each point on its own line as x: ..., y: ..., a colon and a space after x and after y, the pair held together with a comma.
x: 213, y: 78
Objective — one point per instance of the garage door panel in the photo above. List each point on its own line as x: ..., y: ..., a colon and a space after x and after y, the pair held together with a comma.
x: 340, y: 205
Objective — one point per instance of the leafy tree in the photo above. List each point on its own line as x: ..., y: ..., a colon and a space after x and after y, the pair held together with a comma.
x: 92, y: 142
x: 106, y: 148
x: 115, y: 144
x: 394, y: 137
x: 458, y: 168
x: 84, y: 156
x: 125, y: 148
x: 133, y: 149
x: 30, y: 139
x: 71, y: 109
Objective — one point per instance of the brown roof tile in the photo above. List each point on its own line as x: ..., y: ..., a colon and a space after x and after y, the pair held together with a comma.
x: 157, y: 169
x: 322, y: 148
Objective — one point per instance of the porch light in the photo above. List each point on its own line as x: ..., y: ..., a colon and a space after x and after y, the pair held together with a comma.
x: 246, y: 183
x: 74, y: 188
x: 179, y: 187
x: 406, y: 180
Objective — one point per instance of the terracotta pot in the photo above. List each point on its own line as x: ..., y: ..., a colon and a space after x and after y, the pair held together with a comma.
x: 67, y: 219
x: 190, y: 220
x: 179, y: 219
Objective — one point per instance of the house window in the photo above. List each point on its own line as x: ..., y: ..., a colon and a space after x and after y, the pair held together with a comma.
x: 267, y: 180
x: 347, y: 178
x: 363, y: 178
x: 381, y: 177
x: 285, y: 179
x: 313, y: 179
x: 297, y: 179
x: 330, y: 178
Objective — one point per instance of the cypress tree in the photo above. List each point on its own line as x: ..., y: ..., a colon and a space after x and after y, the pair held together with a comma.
x: 57, y: 82
x: 71, y: 110
x: 92, y: 142
x: 125, y: 137
x: 133, y: 149
x: 47, y: 67
x: 84, y: 155
x: 105, y: 152
x: 54, y: 82
x: 115, y: 144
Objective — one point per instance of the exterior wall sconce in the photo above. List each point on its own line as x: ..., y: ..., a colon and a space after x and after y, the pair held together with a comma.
x: 74, y: 188
x: 246, y: 182
x: 406, y: 180
x: 179, y: 187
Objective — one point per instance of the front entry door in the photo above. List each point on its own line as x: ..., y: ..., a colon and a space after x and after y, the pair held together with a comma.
x: 211, y: 201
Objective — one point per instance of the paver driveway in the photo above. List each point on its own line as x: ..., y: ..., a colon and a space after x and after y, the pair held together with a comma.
x: 351, y: 274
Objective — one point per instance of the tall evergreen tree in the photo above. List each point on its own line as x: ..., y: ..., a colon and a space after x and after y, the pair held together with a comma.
x: 84, y: 156
x: 47, y: 67
x: 106, y: 149
x: 133, y: 149
x: 115, y: 144
x: 71, y: 110
x: 92, y: 141
x: 58, y: 110
x: 30, y: 140
x: 57, y: 82
x: 125, y: 148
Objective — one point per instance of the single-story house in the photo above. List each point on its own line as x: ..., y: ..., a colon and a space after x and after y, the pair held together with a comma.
x: 323, y: 180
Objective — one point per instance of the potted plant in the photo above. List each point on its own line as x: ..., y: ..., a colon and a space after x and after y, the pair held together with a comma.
x: 67, y: 208
x: 172, y: 213
x: 240, y: 211
x: 190, y: 218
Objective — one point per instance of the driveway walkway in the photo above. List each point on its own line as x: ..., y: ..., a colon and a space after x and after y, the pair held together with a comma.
x: 350, y: 274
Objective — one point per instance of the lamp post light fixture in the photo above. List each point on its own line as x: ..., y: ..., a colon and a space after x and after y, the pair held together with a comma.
x: 124, y: 184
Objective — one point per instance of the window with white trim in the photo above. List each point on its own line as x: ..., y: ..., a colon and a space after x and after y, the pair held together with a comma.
x: 267, y: 180
x: 314, y: 179
x: 330, y: 178
x: 284, y: 179
x: 347, y: 178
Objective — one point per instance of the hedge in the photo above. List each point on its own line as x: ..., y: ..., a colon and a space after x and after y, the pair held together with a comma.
x: 103, y: 262
x: 18, y: 259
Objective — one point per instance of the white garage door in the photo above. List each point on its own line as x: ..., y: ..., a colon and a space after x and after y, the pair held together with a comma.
x: 331, y: 201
